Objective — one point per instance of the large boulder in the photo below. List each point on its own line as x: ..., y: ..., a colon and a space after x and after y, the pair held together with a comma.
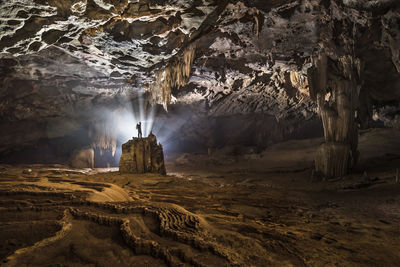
x: 141, y: 155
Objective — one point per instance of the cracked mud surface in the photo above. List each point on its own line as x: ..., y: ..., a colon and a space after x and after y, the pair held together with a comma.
x: 225, y: 213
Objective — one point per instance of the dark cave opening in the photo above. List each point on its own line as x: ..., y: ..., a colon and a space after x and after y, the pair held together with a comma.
x: 104, y: 158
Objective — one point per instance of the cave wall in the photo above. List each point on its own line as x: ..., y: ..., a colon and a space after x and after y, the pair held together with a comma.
x: 194, y: 129
x: 230, y: 73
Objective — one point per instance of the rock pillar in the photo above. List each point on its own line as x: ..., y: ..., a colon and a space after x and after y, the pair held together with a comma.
x: 141, y: 155
x: 334, y: 84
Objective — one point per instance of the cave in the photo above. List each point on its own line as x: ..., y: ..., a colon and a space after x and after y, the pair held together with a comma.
x: 200, y: 133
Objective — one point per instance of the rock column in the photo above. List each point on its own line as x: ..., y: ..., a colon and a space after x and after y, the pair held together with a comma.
x: 335, y: 85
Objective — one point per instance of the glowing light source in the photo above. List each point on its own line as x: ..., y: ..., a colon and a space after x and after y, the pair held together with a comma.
x: 124, y: 120
x: 121, y: 123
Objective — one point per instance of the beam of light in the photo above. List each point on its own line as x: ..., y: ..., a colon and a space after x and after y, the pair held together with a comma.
x: 121, y: 122
x: 150, y: 120
x: 124, y: 119
x: 113, y: 126
x: 167, y: 130
x: 142, y: 111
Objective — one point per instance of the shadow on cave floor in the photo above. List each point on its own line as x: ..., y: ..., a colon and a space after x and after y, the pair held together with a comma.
x: 220, y: 210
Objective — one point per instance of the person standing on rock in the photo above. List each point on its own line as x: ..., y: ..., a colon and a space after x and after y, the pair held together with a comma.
x: 139, y: 129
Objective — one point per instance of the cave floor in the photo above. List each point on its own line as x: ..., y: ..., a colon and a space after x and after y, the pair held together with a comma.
x: 249, y: 210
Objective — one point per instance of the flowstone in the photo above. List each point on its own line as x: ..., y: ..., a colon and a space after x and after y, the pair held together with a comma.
x: 141, y: 155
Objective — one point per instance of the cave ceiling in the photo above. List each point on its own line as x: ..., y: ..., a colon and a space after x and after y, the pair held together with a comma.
x: 243, y: 57
x: 237, y: 43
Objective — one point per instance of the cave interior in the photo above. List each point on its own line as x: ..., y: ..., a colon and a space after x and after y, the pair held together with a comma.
x: 271, y: 133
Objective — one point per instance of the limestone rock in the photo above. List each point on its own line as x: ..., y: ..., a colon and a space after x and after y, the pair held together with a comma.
x: 333, y: 159
x: 141, y: 155
x: 83, y: 158
x: 335, y: 84
x: 66, y: 65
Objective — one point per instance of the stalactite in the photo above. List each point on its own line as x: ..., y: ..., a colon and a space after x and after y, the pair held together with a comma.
x: 258, y: 22
x: 103, y: 138
x: 175, y: 74
x: 256, y: 26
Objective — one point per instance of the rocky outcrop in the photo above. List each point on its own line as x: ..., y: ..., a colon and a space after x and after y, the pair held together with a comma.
x: 141, y: 155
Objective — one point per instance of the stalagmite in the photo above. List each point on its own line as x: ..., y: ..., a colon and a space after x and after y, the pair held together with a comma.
x: 335, y: 85
x: 175, y: 74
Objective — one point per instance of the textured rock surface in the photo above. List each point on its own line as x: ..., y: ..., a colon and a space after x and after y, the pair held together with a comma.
x: 217, y: 212
x: 63, y: 64
x: 142, y: 155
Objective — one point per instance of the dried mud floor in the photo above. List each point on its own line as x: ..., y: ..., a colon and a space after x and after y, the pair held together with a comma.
x: 252, y: 210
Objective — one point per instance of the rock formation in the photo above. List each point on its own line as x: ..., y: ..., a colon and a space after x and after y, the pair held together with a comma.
x: 141, y: 155
x: 175, y: 75
x: 63, y: 67
x: 83, y: 158
x: 334, y: 85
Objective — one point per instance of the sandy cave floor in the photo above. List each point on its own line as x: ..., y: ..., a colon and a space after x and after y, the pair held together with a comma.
x: 248, y: 210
